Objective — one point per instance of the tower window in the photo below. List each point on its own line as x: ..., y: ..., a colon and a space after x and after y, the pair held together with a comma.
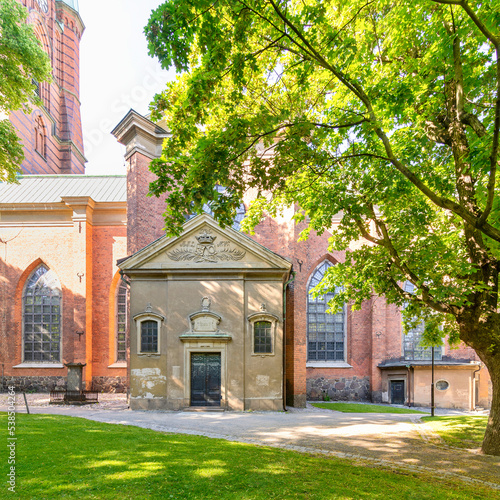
x: 40, y: 136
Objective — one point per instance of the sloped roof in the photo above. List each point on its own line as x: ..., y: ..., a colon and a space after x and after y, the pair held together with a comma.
x: 50, y: 188
x: 181, y: 254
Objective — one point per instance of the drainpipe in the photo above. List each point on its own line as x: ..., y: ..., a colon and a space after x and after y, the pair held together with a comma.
x: 123, y: 278
x: 408, y: 388
x: 292, y: 278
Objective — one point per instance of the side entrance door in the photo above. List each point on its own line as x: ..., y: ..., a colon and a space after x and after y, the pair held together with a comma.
x: 205, y: 379
x: 397, y: 392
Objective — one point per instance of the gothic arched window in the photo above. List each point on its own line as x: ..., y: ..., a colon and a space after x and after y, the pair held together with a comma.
x: 325, y: 332
x: 412, y: 340
x: 121, y: 322
x: 42, y: 316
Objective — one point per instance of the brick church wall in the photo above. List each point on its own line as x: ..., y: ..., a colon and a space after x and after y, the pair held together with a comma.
x: 60, y: 104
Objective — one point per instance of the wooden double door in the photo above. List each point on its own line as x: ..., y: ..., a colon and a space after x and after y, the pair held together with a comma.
x: 205, y: 379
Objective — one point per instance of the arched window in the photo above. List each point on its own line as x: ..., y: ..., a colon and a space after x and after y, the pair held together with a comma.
x: 40, y: 136
x: 148, y: 327
x: 325, y: 332
x: 412, y: 348
x: 42, y: 316
x: 121, y: 322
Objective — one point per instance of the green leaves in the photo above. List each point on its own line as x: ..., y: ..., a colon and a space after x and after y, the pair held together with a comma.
x: 21, y: 60
x: 376, y: 119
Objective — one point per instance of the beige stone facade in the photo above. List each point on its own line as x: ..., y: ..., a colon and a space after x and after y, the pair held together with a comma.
x: 208, y: 292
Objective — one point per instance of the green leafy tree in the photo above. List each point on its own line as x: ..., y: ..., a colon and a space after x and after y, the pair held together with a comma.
x: 384, y: 111
x: 21, y: 60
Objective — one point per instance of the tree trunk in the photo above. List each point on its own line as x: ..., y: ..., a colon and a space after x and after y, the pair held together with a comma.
x: 483, y: 336
x: 491, y: 441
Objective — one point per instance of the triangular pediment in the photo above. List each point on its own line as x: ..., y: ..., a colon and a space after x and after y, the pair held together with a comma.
x: 204, y: 245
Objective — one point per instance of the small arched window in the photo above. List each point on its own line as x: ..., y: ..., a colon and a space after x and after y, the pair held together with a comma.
x: 42, y: 316
x: 149, y: 336
x: 148, y: 328
x: 325, y: 332
x: 263, y: 339
x: 40, y: 136
x: 121, y: 322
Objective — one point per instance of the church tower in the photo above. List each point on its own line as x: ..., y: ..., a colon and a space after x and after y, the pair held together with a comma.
x: 51, y: 133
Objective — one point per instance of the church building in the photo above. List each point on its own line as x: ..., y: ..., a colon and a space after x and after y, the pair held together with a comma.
x: 212, y: 318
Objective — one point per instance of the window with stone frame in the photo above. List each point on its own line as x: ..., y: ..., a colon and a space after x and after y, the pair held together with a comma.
x: 149, y: 336
x: 412, y: 348
x: 325, y: 332
x: 262, y: 337
x: 121, y: 322
x: 42, y: 317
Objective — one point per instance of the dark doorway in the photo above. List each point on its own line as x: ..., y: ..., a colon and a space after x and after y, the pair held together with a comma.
x: 397, y: 392
x: 205, y: 379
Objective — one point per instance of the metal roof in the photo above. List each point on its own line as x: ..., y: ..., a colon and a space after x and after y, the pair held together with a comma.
x: 72, y: 3
x: 50, y: 188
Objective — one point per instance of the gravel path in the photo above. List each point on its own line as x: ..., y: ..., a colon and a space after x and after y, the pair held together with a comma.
x: 387, y: 440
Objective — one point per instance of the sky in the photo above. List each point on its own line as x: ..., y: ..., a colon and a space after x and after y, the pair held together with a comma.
x: 116, y: 74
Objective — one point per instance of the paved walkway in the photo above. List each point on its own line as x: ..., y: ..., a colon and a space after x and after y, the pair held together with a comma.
x: 386, y: 440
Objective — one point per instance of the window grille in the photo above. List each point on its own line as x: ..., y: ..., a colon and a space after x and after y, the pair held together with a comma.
x: 149, y: 336
x: 325, y: 332
x: 262, y: 337
x: 42, y: 317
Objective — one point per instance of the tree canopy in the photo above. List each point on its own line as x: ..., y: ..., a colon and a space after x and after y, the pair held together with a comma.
x: 22, y: 59
x: 383, y: 111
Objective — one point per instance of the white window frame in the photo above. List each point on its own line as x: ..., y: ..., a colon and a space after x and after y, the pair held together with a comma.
x: 148, y: 316
x: 270, y: 318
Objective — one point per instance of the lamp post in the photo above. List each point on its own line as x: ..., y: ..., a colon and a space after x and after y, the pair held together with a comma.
x: 432, y: 381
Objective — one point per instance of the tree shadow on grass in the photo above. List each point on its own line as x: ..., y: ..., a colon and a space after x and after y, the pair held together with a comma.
x: 65, y: 457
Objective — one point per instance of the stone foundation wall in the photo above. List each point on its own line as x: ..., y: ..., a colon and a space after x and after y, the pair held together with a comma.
x: 339, y: 389
x: 110, y: 384
x: 33, y: 384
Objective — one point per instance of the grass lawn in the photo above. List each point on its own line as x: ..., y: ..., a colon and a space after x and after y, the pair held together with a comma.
x: 361, y: 408
x: 65, y: 457
x: 461, y: 431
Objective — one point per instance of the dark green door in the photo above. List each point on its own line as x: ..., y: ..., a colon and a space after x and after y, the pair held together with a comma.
x: 205, y: 379
x: 397, y: 392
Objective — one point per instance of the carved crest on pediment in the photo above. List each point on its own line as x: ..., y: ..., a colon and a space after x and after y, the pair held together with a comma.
x: 204, y: 248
